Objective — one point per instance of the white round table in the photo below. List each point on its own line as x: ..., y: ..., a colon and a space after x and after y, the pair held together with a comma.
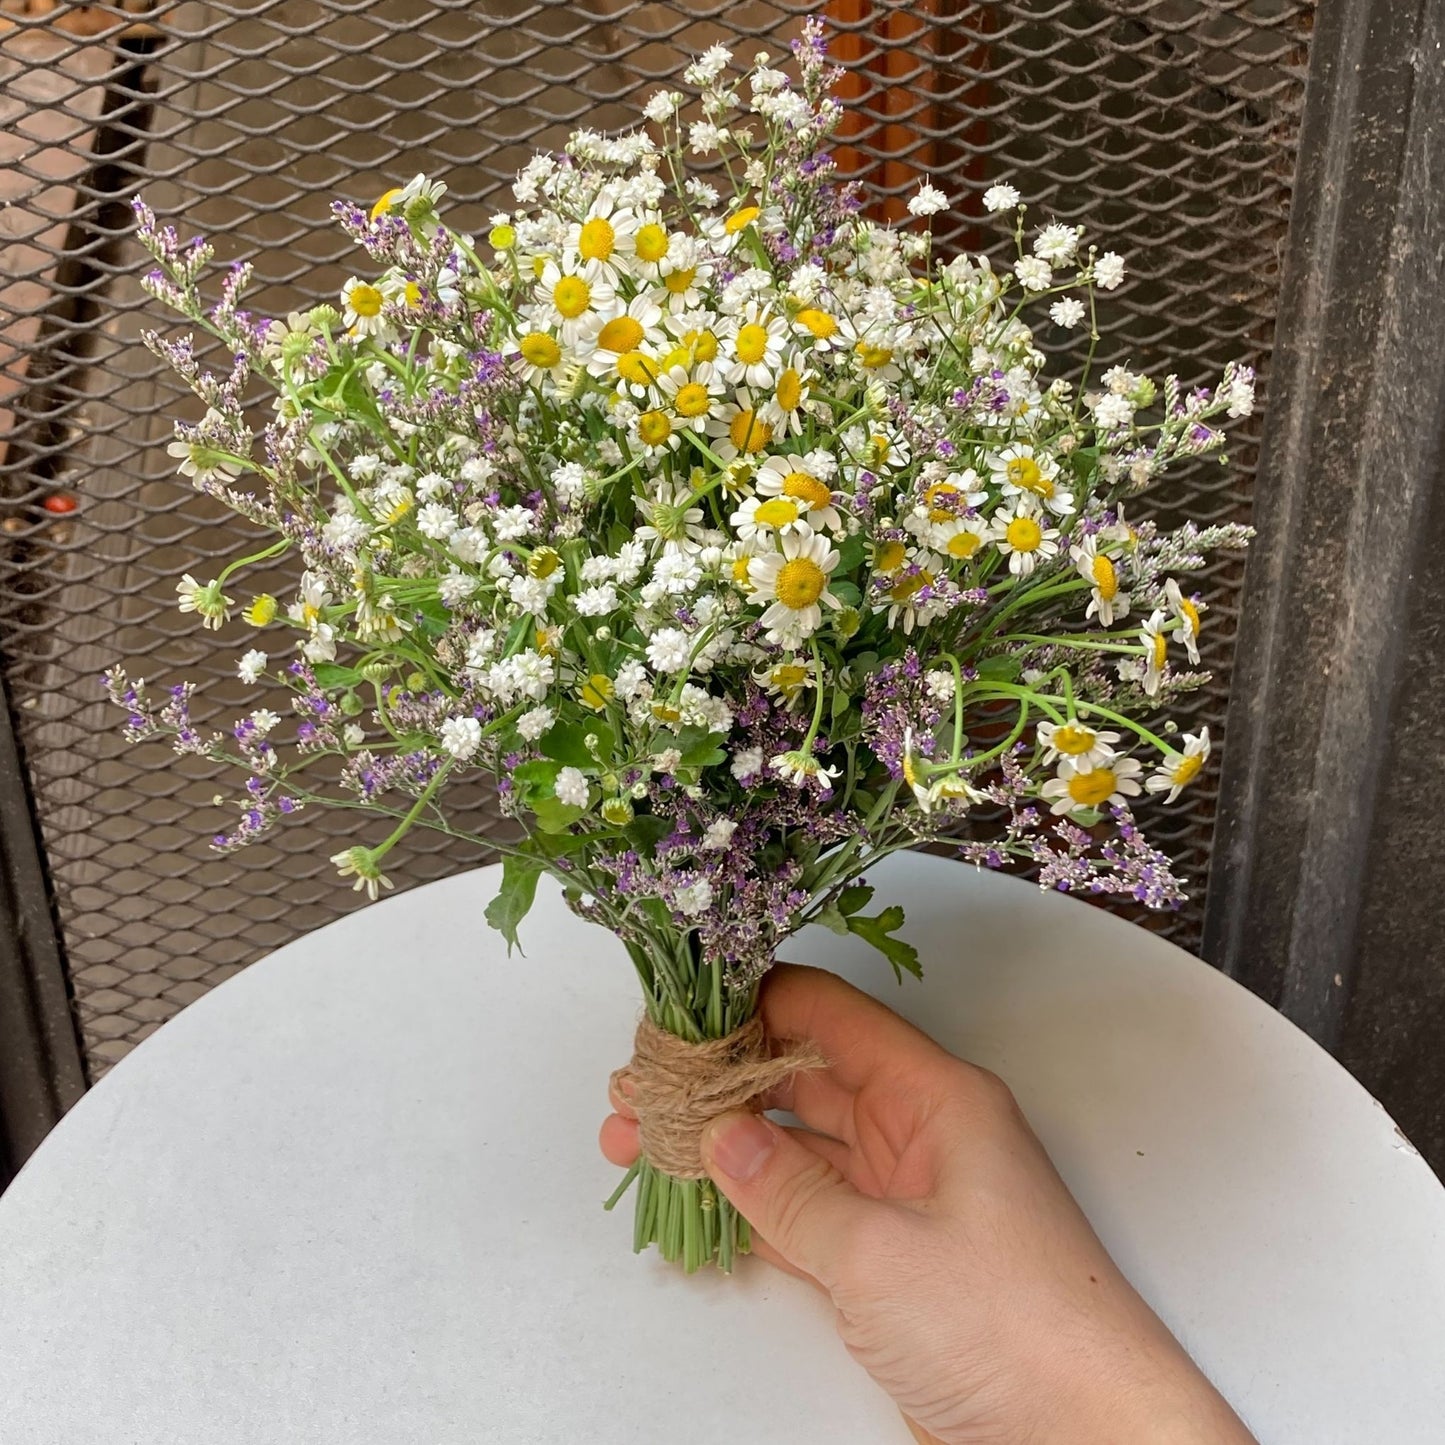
x: 352, y: 1197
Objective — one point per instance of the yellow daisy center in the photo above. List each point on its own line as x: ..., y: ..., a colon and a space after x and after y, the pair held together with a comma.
x: 800, y: 583
x: 1161, y: 649
x: 692, y: 399
x: 637, y: 368
x: 879, y: 447
x: 788, y: 676
x: 911, y: 775
x: 1091, y: 789
x: 818, y: 322
x: 539, y: 349
x: 1106, y: 578
x: 749, y: 432
x: 547, y: 639
x: 596, y: 690
x: 963, y: 544
x: 650, y: 243
x: 934, y: 495
x: 1024, y: 472
x: 1072, y: 739
x: 664, y: 712
x: 871, y: 357
x: 654, y: 428
x: 1185, y: 769
x: 387, y: 200
x: 622, y: 333
x: 909, y: 587
x: 262, y: 610
x: 740, y: 570
x: 544, y: 562
x: 807, y: 489
x: 752, y: 343
x: 889, y: 557
x: 703, y: 343
x: 1023, y: 534
x: 1191, y: 615
x: 679, y: 281
x: 741, y: 219
x: 776, y: 512
x: 365, y: 300
x: 502, y: 238
x: 571, y: 296
x: 411, y: 292
x: 597, y: 241
x: 789, y: 391
x: 678, y: 356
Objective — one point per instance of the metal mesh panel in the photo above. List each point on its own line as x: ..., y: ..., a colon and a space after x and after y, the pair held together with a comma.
x: 1168, y: 126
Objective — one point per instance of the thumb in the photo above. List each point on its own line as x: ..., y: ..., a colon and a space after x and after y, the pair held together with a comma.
x: 793, y: 1197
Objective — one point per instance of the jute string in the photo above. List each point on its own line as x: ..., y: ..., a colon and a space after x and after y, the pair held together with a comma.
x: 678, y: 1088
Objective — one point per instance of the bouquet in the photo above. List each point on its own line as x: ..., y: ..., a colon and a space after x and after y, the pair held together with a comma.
x: 742, y: 541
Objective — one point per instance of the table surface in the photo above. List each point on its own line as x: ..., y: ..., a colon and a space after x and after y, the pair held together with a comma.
x: 352, y: 1196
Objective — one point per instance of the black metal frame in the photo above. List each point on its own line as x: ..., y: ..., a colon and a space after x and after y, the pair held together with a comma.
x: 41, y: 1074
x: 1328, y: 869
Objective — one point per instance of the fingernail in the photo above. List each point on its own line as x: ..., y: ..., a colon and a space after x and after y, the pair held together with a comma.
x: 626, y: 1087
x: 739, y: 1145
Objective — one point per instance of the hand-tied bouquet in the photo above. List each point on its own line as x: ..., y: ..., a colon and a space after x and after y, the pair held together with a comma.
x: 740, y: 539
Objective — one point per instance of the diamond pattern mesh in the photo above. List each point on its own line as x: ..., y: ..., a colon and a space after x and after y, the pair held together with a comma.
x: 1168, y: 126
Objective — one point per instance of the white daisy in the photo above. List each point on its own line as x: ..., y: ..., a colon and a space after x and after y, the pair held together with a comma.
x: 1085, y: 747
x: 741, y: 428
x: 693, y: 396
x: 1180, y: 769
x: 1019, y: 470
x: 1023, y: 537
x: 635, y: 329
x: 1107, y: 601
x: 753, y: 348
x: 794, y: 582
x: 760, y: 519
x: 1156, y: 652
x: 361, y: 304
x: 1108, y: 784
x: 789, y: 477
x: 571, y: 303
x: 1187, y: 610
x: 602, y: 240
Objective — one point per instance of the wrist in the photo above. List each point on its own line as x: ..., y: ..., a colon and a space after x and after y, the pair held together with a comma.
x: 1155, y: 1396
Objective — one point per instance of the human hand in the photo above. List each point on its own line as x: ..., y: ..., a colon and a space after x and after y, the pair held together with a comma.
x: 966, y: 1279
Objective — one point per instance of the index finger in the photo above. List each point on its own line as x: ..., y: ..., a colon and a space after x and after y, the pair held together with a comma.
x: 863, y: 1041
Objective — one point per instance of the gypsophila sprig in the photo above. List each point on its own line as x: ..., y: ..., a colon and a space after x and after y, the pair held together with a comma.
x: 739, y: 539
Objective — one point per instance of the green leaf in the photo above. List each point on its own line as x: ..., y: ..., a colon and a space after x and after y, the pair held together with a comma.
x: 514, y: 899
x: 567, y: 743
x: 1003, y: 667
x: 540, y: 775
x: 851, y: 553
x: 830, y: 917
x: 554, y: 816
x: 878, y: 930
x: 847, y: 594
x: 854, y: 897
x: 645, y: 832
x: 330, y: 674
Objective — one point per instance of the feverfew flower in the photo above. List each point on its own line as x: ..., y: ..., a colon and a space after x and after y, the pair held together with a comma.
x: 1107, y: 784
x: 1180, y: 769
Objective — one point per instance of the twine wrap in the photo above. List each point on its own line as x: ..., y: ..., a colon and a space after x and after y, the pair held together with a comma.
x: 678, y: 1087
